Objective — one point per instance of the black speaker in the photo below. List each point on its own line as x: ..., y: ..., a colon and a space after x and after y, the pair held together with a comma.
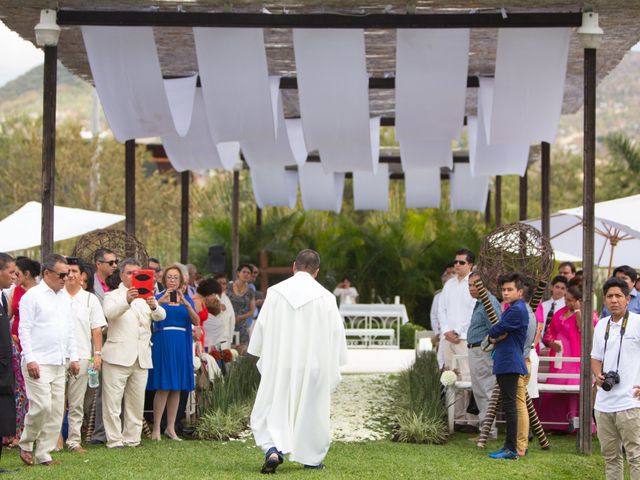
x: 217, y: 259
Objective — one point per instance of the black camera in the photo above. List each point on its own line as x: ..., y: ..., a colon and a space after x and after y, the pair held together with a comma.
x: 610, y: 380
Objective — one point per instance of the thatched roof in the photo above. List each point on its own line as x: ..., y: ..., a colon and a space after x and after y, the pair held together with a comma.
x: 618, y: 18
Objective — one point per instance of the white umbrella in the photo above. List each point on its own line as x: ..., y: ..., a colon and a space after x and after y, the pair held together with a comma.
x: 22, y: 229
x: 617, y: 232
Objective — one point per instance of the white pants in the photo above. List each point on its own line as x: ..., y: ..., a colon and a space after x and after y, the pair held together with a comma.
x: 129, y: 383
x: 483, y: 382
x: 462, y: 365
x: 76, y: 390
x: 46, y: 408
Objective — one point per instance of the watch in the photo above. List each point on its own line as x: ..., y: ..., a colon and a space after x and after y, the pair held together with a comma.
x: 97, y: 353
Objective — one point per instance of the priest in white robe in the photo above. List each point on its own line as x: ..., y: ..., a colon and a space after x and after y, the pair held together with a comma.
x: 300, y: 339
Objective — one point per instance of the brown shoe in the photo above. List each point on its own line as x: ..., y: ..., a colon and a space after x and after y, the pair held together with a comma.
x: 51, y: 462
x: 26, y: 457
x: 78, y: 449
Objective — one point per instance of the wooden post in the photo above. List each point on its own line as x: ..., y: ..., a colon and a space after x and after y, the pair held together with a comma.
x: 130, y: 186
x: 545, y: 188
x: 524, y: 190
x: 588, y: 226
x: 498, y: 200
x: 235, y: 224
x: 185, y: 179
x: 50, y: 82
x: 487, y: 210
x: 258, y: 218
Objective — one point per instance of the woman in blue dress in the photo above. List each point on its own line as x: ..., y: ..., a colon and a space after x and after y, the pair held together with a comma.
x: 172, y: 351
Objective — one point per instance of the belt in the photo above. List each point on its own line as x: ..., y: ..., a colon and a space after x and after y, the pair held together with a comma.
x: 181, y: 329
x: 473, y: 345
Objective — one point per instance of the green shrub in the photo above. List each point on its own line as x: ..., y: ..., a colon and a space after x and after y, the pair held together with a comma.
x: 238, y: 386
x: 418, y: 428
x: 408, y: 334
x: 219, y: 424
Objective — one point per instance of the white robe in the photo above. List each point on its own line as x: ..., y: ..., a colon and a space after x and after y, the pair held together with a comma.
x: 299, y: 337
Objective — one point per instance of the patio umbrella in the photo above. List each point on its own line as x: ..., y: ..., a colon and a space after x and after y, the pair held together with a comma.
x: 617, y: 232
x: 22, y: 229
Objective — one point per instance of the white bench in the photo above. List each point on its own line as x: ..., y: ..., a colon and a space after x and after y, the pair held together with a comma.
x: 542, y: 386
x: 366, y: 337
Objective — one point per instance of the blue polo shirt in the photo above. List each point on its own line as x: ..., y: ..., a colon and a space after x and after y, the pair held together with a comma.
x: 509, y: 353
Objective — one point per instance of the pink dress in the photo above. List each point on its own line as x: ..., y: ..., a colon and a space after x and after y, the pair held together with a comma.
x: 557, y: 409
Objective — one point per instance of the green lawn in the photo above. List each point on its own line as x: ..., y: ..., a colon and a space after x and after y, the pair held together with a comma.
x: 192, y: 460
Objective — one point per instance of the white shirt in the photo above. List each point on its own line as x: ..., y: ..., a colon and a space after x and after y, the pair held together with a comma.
x: 346, y: 295
x: 546, y: 307
x: 456, y: 306
x: 620, y: 397
x: 435, y: 321
x: 87, y: 314
x: 46, y: 328
x: 219, y: 328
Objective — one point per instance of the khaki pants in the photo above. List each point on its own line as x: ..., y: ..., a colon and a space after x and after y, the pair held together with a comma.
x: 522, y: 441
x: 615, y: 430
x: 46, y: 408
x: 462, y: 365
x: 483, y: 382
x: 129, y: 383
x: 76, y: 389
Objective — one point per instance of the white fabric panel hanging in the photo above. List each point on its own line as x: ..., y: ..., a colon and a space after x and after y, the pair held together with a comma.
x: 235, y: 80
x: 320, y: 190
x: 197, y: 150
x: 274, y: 186
x: 126, y: 71
x: 422, y: 187
x: 468, y: 192
x: 334, y: 97
x: 371, y: 190
x: 296, y: 140
x: 276, y: 151
x: 531, y: 66
x: 497, y: 159
x: 431, y: 83
x: 421, y: 154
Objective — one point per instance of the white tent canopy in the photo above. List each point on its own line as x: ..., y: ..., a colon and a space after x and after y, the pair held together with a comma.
x: 22, y: 229
x: 617, y: 227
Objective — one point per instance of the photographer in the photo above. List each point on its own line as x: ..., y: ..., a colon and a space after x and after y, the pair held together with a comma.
x: 614, y: 363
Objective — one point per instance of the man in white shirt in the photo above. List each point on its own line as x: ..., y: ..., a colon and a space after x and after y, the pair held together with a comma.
x: 546, y: 309
x: 614, y: 363
x: 48, y: 341
x: 435, y: 321
x: 88, y: 321
x: 455, y: 308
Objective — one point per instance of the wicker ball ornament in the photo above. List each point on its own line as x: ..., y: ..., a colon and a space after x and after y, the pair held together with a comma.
x: 516, y: 247
x: 123, y: 245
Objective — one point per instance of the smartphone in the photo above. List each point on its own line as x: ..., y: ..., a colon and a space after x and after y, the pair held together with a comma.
x: 173, y: 297
x: 142, y: 281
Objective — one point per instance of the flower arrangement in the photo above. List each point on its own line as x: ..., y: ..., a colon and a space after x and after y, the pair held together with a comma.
x: 196, y: 364
x: 448, y: 378
x: 225, y: 355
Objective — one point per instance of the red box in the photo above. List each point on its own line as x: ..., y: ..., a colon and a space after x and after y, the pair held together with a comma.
x: 143, y: 281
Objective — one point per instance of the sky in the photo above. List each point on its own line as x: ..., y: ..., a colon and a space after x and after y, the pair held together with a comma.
x: 18, y: 56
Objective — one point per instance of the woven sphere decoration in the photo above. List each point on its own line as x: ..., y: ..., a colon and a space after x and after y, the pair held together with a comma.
x: 123, y: 244
x: 516, y: 247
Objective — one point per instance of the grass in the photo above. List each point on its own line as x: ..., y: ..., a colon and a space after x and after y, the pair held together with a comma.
x: 458, y: 459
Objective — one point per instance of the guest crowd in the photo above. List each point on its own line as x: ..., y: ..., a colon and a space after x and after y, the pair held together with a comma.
x: 503, y: 346
x: 85, y: 340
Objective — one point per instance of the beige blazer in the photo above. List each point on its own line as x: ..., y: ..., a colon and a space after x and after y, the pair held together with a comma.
x: 129, y: 336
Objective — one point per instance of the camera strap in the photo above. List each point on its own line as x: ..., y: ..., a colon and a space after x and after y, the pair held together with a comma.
x: 623, y: 328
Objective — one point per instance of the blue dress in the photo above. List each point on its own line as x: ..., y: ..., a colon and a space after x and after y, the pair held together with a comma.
x: 171, y: 350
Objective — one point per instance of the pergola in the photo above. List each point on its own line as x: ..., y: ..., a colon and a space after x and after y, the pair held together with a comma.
x: 173, y: 22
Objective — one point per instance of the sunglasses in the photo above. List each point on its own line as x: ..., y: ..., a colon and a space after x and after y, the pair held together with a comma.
x: 110, y: 262
x: 61, y: 275
x: 459, y: 262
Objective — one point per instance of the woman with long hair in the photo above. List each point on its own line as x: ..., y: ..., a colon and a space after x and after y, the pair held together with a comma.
x: 244, y: 303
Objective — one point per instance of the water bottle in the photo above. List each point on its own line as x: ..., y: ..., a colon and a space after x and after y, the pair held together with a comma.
x: 94, y: 378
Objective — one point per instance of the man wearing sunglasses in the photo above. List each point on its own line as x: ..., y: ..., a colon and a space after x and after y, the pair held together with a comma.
x: 48, y: 341
x: 454, y: 312
x: 106, y: 263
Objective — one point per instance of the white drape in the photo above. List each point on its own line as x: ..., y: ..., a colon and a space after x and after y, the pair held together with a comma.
x: 274, y: 186
x: 531, y: 66
x: 422, y: 187
x: 468, y: 192
x: 334, y: 101
x: 320, y: 190
x: 421, y: 154
x: 371, y: 190
x: 126, y: 72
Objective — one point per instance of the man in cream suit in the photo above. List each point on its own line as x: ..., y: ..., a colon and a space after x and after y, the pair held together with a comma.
x: 126, y: 357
